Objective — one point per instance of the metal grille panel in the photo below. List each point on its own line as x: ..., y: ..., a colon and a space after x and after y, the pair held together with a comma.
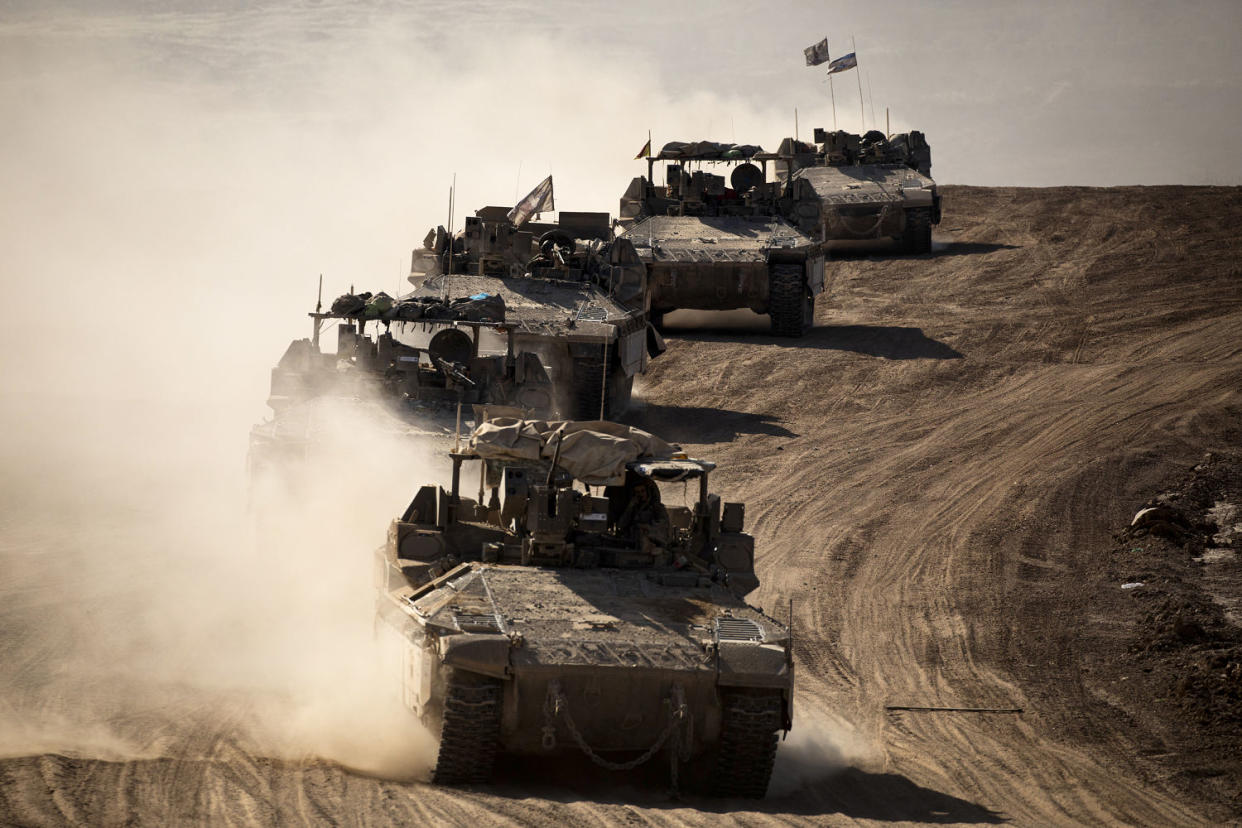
x: 737, y: 629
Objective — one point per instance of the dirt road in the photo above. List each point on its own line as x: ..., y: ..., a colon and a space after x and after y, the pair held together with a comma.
x: 927, y: 474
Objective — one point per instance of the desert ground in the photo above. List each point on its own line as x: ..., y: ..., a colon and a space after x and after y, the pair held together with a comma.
x: 938, y: 475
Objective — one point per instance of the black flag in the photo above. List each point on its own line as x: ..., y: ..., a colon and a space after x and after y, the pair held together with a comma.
x: 817, y: 54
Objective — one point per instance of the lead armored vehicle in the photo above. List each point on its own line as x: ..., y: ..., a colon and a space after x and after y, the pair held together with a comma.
x: 568, y: 611
x: 716, y: 244
x: 849, y: 187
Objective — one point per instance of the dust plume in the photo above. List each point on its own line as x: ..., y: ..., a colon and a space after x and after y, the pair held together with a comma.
x: 819, y: 746
x: 152, y: 611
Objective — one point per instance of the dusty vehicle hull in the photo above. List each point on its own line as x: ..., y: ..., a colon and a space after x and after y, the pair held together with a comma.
x: 626, y: 662
x: 591, y: 345
x: 572, y: 294
x: 548, y: 319
x: 729, y: 262
x: 869, y: 202
x: 310, y: 389
x: 548, y: 623
x: 849, y: 187
x: 712, y: 245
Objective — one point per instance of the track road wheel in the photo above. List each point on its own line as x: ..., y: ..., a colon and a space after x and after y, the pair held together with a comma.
x: 748, y: 733
x: 470, y: 732
x: 917, y: 236
x: 790, y: 307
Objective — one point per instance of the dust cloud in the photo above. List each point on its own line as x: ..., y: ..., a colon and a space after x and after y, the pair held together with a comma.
x: 151, y: 606
x: 819, y: 746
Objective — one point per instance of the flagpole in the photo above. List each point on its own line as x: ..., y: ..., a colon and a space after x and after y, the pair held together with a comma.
x: 871, y: 101
x: 650, y: 163
x: 862, y: 115
x: 834, y: 102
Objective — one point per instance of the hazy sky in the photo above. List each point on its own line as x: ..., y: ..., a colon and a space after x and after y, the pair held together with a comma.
x: 218, y: 156
x: 1021, y: 93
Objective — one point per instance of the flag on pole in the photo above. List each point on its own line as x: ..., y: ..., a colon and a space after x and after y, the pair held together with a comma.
x: 645, y: 152
x: 538, y: 200
x: 842, y: 63
x: 817, y: 54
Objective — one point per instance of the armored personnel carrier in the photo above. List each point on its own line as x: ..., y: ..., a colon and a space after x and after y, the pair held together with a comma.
x: 714, y: 245
x: 547, y: 318
x: 570, y: 612
x: 847, y: 187
x: 571, y: 293
x: 419, y: 384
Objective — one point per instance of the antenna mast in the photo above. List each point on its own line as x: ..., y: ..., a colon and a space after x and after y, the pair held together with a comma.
x: 318, y: 308
x: 862, y: 115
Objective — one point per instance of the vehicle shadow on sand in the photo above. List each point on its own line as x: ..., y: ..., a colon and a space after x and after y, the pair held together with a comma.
x: 968, y: 248
x: 884, y: 341
x: 892, y: 250
x: 850, y: 792
x: 702, y: 424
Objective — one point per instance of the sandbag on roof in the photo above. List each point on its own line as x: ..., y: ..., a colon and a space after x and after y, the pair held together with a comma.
x: 707, y: 150
x: 593, y: 451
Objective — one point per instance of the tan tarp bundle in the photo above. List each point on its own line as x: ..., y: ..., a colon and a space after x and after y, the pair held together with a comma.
x: 594, y: 451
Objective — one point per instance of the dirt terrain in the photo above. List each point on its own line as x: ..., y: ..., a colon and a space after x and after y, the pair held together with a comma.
x: 939, y: 475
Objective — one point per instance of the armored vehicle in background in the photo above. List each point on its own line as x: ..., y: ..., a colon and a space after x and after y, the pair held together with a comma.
x: 847, y: 187
x: 421, y: 385
x: 552, y: 617
x: 571, y: 293
x: 714, y: 245
x: 549, y: 319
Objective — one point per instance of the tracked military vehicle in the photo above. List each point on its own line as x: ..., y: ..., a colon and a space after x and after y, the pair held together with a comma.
x: 850, y: 187
x: 571, y: 293
x: 714, y: 245
x: 422, y: 386
x: 547, y: 318
x: 569, y: 612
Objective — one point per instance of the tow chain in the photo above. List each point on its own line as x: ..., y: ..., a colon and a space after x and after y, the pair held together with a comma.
x: 885, y: 212
x: 555, y: 704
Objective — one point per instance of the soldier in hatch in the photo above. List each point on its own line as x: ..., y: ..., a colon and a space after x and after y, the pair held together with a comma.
x: 645, y: 515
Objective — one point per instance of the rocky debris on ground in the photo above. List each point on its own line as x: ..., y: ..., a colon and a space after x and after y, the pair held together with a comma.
x: 1183, y: 659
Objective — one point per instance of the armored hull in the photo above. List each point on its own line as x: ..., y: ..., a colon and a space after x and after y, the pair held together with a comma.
x: 531, y: 320
x: 551, y: 624
x: 868, y: 201
x: 607, y: 663
x: 725, y: 262
x: 712, y: 245
x: 852, y: 187
x: 591, y: 344
x: 571, y: 293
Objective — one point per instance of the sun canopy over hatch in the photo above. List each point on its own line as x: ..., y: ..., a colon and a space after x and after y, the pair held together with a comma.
x: 595, y: 452
x: 671, y: 471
